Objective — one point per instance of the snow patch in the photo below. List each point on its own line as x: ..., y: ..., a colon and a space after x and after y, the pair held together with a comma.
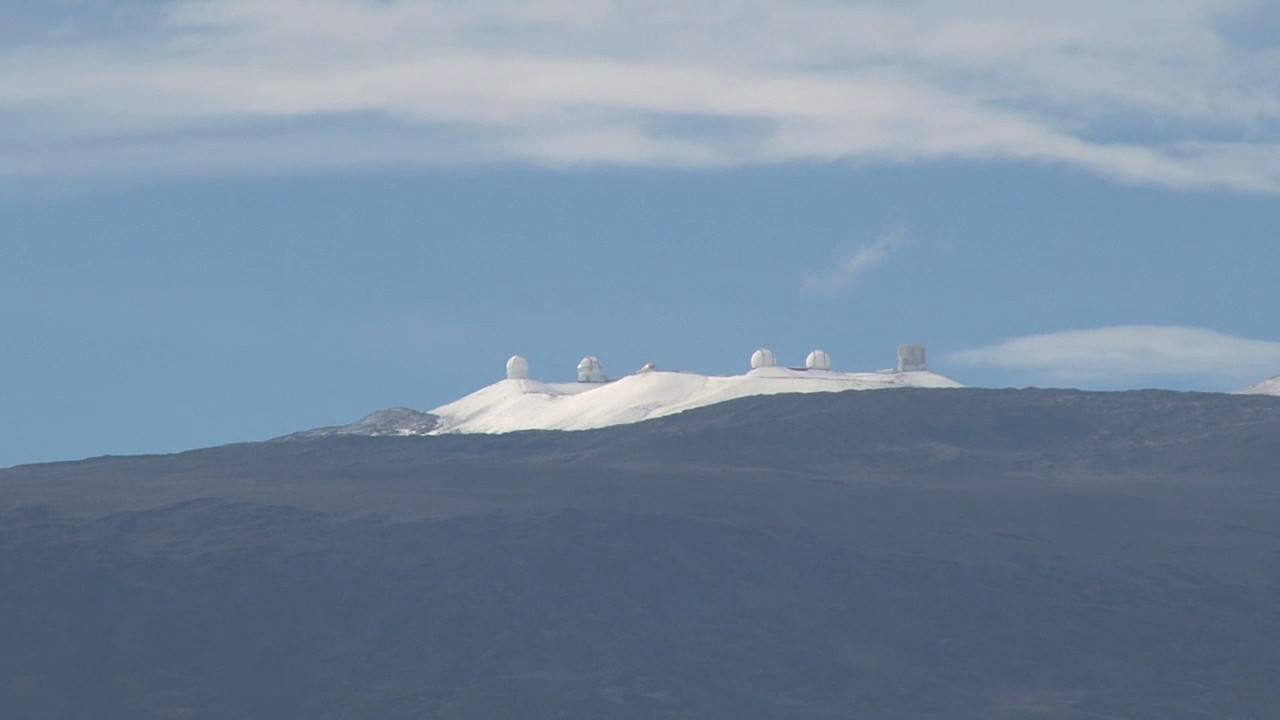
x: 395, y: 421
x: 1266, y: 387
x: 518, y: 404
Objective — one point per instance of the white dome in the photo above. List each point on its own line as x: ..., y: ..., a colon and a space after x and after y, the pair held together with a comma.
x: 517, y: 368
x: 647, y: 368
x: 590, y: 369
x: 818, y: 360
x: 763, y: 358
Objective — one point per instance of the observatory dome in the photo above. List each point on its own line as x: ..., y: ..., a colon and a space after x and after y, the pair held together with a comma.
x: 818, y: 360
x: 517, y: 368
x: 763, y: 358
x: 590, y: 370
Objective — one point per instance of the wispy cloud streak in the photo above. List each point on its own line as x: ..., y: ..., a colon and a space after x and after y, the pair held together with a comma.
x: 1143, y: 92
x: 851, y: 268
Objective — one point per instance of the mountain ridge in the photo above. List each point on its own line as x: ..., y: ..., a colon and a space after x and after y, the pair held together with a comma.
x: 1266, y: 387
x: 968, y: 554
x: 909, y: 434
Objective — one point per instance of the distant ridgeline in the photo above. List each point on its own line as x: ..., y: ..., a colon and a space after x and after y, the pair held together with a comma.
x: 596, y: 400
x: 967, y: 554
x: 1266, y: 387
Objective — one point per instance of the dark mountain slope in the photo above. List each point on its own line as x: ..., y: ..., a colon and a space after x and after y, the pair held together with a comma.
x: 966, y: 554
x: 1022, y: 439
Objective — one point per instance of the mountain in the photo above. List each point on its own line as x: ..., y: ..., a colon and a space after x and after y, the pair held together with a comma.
x: 919, y: 553
x: 1266, y: 387
x: 521, y: 404
x: 394, y: 421
x: 517, y: 404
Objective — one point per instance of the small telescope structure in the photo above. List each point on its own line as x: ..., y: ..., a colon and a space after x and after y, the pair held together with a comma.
x: 818, y: 360
x: 590, y: 370
x: 517, y: 368
x: 763, y: 358
x: 911, y: 358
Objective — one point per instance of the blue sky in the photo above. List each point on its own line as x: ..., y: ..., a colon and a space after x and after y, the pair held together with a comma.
x: 226, y: 220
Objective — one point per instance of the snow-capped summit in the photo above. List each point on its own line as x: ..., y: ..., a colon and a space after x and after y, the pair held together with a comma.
x: 1266, y: 387
x: 595, y: 401
x: 518, y: 403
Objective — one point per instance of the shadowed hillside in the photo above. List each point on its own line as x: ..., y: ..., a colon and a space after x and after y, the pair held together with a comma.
x: 902, y: 554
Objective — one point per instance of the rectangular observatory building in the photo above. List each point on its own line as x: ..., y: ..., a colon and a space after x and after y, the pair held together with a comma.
x: 911, y: 358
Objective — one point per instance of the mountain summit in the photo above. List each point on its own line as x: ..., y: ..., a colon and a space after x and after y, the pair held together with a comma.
x: 596, y: 401
x: 1266, y: 387
x: 521, y: 404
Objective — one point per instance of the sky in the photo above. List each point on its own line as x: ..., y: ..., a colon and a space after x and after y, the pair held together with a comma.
x: 226, y: 220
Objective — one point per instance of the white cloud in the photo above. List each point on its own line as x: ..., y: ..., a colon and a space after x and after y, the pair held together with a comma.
x: 1129, y: 353
x: 591, y: 81
x: 849, y: 270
